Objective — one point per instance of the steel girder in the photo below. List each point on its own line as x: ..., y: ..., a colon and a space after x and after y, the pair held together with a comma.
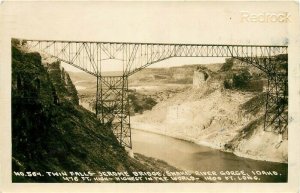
x: 111, y: 97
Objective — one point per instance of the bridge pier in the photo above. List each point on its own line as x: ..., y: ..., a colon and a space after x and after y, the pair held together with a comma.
x: 276, y: 114
x: 112, y: 106
x: 275, y: 67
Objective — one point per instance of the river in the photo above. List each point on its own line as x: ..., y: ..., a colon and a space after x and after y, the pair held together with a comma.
x: 192, y: 157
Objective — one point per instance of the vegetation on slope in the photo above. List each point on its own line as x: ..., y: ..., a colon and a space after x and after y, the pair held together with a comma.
x: 140, y: 102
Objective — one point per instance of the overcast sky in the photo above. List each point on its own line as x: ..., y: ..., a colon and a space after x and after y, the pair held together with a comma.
x: 167, y: 22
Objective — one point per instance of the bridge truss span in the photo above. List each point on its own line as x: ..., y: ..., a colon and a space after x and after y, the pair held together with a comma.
x: 112, y: 105
x: 89, y: 56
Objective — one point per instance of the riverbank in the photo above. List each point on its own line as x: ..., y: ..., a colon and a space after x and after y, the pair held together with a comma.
x: 194, y: 158
x: 159, y: 129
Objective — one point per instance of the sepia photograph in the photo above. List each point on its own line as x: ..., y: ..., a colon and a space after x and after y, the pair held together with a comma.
x: 150, y: 94
x: 227, y: 121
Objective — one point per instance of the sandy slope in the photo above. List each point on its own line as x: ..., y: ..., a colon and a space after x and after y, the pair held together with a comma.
x: 212, y: 116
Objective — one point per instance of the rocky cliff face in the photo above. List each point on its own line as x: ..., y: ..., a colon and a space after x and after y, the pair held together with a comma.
x: 226, y: 119
x: 51, y: 132
x: 199, y: 78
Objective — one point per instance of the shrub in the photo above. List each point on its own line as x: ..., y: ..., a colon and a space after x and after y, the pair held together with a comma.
x: 140, y: 103
x: 228, y: 83
x: 149, y: 103
x: 15, y: 42
x: 241, y: 80
x: 228, y: 65
x: 24, y: 42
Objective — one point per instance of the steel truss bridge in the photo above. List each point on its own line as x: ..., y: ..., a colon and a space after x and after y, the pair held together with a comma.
x: 112, y: 103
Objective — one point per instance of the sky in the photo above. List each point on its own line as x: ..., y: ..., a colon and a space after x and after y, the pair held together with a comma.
x: 163, y: 22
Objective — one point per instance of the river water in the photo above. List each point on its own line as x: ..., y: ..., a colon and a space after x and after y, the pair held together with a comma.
x: 188, y: 156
